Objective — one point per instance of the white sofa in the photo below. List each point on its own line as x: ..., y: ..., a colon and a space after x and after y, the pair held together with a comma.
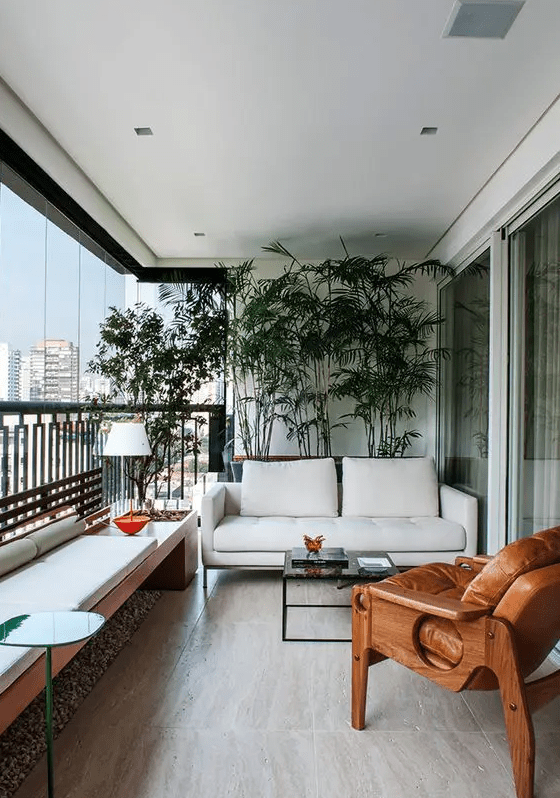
x: 392, y: 505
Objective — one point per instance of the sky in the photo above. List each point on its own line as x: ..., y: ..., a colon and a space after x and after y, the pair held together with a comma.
x: 50, y: 286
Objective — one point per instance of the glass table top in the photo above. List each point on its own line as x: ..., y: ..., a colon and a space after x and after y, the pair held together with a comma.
x: 50, y: 628
x: 351, y: 571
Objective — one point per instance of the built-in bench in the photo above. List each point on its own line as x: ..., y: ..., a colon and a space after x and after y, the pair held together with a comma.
x: 64, y: 566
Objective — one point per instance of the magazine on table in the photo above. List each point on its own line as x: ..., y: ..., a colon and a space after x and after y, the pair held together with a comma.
x: 328, y: 557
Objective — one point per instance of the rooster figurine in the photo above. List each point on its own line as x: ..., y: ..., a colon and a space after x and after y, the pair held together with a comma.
x: 313, y: 544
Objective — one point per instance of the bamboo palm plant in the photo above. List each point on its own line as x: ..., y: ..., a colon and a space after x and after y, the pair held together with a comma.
x: 388, y: 355
x: 258, y: 348
x: 304, y: 302
x: 320, y: 336
x: 360, y: 336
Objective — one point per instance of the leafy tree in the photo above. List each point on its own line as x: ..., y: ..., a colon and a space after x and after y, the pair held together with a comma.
x: 153, y: 363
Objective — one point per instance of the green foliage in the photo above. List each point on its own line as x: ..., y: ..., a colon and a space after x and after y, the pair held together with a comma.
x: 257, y: 349
x: 150, y: 362
x: 318, y: 335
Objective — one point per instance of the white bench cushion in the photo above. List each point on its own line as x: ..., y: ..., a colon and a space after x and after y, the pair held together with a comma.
x: 299, y: 488
x: 78, y: 573
x: 381, y: 487
x: 236, y: 533
x: 73, y: 576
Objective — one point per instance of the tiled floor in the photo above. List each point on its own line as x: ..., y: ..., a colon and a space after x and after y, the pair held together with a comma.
x: 208, y: 702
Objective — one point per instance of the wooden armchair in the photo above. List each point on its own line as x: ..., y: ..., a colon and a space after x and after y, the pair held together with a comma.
x: 481, y: 624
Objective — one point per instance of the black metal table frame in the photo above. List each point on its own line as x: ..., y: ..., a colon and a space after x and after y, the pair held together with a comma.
x: 349, y: 579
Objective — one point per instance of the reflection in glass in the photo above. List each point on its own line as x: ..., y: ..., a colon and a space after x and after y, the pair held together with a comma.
x: 56, y: 285
x: 465, y: 305
x: 22, y: 285
x: 61, y: 350
x: 50, y: 628
x: 535, y: 430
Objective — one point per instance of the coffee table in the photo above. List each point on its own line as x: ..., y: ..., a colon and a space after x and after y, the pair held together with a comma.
x: 345, y: 577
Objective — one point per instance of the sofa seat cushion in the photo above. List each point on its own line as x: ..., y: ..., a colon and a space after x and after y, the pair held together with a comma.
x: 77, y: 574
x: 15, y: 660
x: 243, y: 533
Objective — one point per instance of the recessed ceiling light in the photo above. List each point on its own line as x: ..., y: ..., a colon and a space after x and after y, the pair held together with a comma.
x: 380, y: 235
x: 143, y: 131
x: 200, y: 234
x: 482, y: 20
x: 428, y: 131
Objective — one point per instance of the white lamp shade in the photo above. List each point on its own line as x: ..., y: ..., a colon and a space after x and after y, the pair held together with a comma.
x: 127, y: 439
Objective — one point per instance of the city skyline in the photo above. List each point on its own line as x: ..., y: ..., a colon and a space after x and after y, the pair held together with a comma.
x: 67, y: 288
x: 48, y: 372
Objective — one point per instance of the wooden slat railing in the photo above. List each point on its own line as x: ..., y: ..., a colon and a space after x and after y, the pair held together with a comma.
x: 83, y: 492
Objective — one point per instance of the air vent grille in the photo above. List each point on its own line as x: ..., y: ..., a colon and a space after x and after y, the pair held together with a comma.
x: 482, y: 20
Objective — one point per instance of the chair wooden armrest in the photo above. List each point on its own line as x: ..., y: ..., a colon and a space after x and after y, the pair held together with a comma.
x: 431, y: 604
x: 475, y: 563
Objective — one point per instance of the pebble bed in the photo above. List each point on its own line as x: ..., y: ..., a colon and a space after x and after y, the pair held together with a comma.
x: 23, y: 743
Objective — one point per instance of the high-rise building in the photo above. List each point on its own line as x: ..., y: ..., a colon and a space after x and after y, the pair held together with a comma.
x: 54, y: 371
x: 25, y: 378
x: 10, y: 368
x: 93, y: 386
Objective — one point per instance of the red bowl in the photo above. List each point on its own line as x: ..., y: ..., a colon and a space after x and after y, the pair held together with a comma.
x: 131, y: 525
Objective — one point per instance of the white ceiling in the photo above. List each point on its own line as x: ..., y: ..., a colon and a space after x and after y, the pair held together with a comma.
x: 296, y: 120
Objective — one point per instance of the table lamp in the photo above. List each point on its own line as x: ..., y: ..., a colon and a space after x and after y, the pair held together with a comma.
x: 128, y: 439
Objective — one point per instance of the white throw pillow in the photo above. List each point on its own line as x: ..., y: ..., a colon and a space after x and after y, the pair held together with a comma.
x: 400, y: 487
x: 290, y: 488
x: 58, y: 533
x: 16, y: 553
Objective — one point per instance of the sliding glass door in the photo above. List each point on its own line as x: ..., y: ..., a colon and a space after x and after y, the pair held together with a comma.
x: 463, y: 416
x: 534, y: 435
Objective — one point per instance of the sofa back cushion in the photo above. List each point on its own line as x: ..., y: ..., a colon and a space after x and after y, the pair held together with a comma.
x: 383, y: 487
x: 292, y: 488
x: 16, y: 553
x: 517, y: 558
x: 56, y: 534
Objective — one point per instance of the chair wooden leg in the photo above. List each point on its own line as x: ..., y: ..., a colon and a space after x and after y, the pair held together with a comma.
x: 360, y: 667
x: 519, y: 724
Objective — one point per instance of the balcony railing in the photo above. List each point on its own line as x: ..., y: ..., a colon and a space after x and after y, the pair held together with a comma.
x: 43, y: 442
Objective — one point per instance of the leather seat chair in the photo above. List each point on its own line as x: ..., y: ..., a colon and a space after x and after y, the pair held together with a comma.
x: 485, y: 623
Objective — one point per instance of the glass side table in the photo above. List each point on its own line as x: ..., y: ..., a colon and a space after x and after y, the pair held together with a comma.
x: 49, y: 630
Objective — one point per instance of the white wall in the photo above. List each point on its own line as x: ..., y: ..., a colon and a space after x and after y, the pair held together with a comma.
x: 528, y: 170
x: 25, y: 129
